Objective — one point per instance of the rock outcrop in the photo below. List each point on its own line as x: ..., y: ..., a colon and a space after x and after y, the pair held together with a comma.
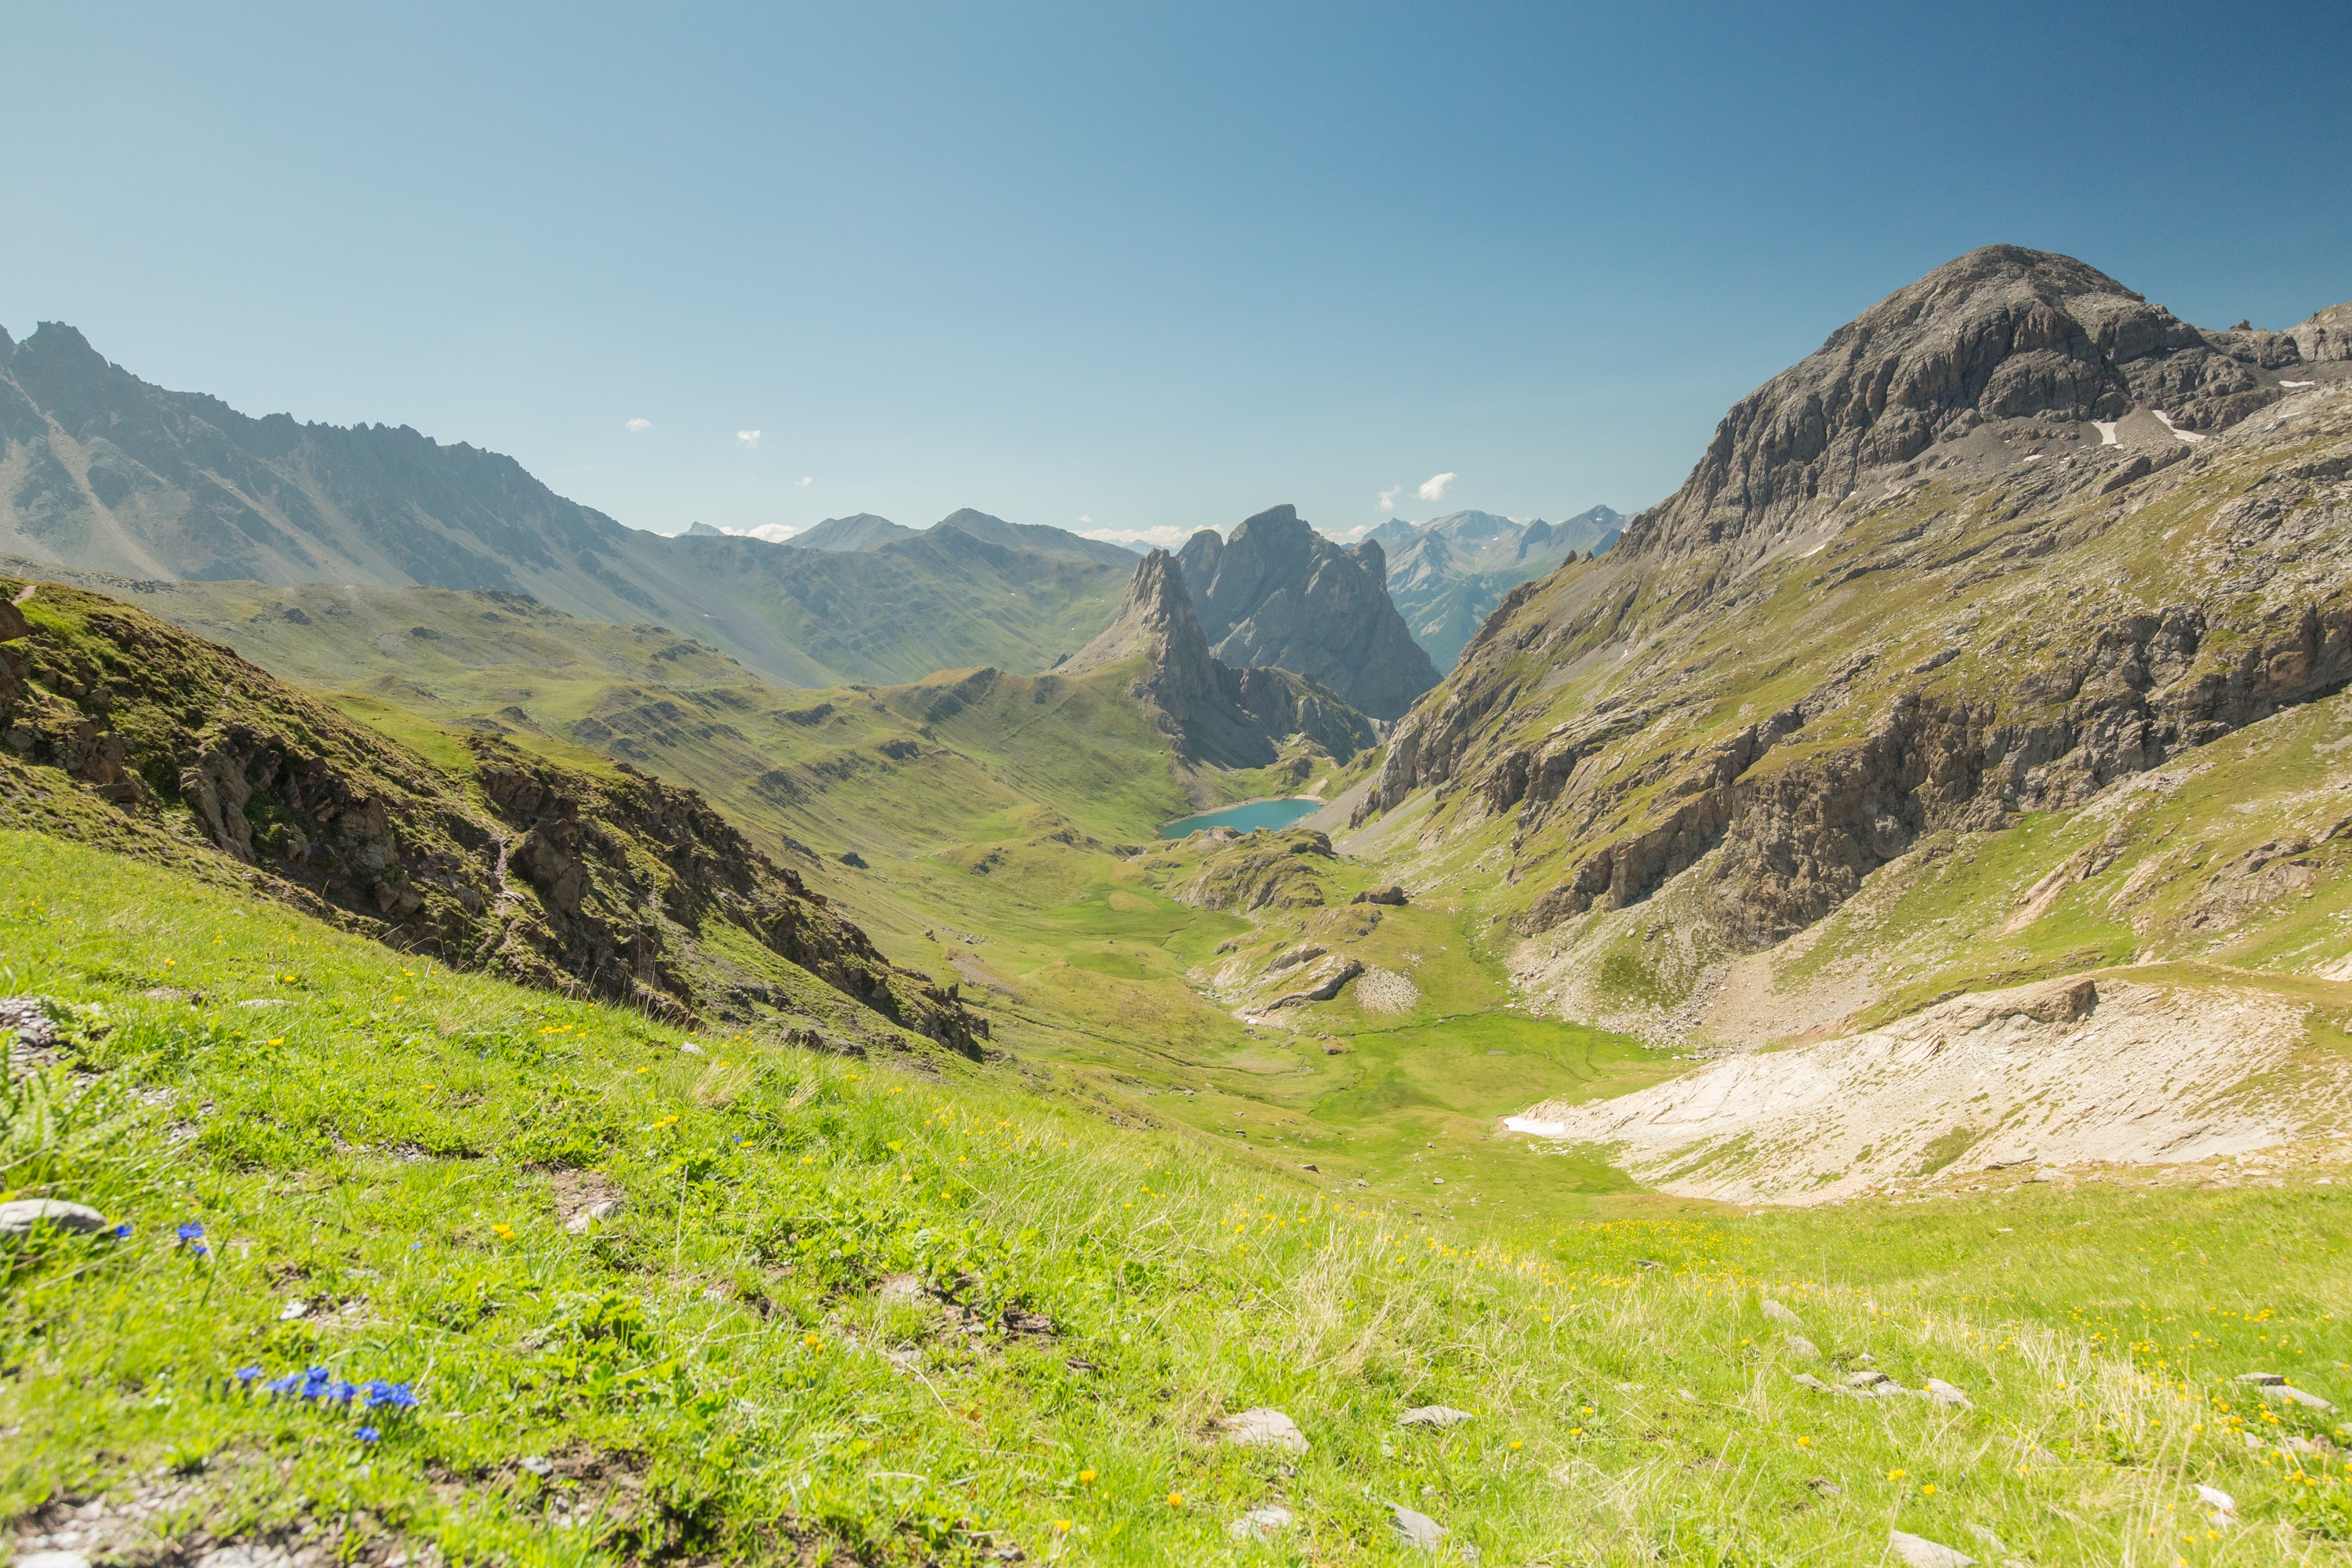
x: 2003, y: 333
x: 1213, y: 712
x: 1277, y: 593
x: 616, y: 885
x: 2013, y: 536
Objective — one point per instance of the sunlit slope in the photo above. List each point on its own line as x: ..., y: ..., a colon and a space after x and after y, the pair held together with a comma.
x: 1639, y: 755
x: 726, y: 1301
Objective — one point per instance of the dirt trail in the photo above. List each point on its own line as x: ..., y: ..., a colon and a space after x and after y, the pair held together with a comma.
x: 2054, y: 1073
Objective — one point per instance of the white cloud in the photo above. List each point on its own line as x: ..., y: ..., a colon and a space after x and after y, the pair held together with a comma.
x: 1435, y: 488
x: 1388, y: 498
x: 804, y: 480
x: 773, y: 532
x: 638, y: 426
x: 1083, y: 518
x: 749, y: 437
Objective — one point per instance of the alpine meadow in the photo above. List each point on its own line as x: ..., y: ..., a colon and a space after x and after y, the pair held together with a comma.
x: 1809, y: 1022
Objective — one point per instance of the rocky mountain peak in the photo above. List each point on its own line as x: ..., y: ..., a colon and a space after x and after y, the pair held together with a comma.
x: 1215, y: 713
x: 2003, y: 333
x: 1277, y: 593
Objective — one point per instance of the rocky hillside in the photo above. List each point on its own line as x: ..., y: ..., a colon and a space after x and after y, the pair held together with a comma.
x: 1212, y: 712
x: 1447, y: 575
x: 103, y: 471
x: 124, y: 731
x: 2010, y: 539
x: 1277, y: 593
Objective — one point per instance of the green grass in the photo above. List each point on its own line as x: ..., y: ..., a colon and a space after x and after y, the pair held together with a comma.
x: 394, y: 1144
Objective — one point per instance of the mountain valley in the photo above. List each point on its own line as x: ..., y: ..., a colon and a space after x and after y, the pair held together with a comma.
x: 1819, y: 1009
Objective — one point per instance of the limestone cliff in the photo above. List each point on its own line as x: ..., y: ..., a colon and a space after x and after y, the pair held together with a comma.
x: 1277, y: 593
x: 1213, y: 712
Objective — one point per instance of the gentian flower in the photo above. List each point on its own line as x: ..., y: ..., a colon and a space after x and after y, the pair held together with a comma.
x: 122, y: 1232
x: 368, y: 1433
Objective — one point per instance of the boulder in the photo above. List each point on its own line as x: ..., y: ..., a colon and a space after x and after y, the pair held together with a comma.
x: 1780, y: 1314
x: 19, y: 1218
x: 1433, y: 1416
x: 1919, y: 1551
x: 1392, y: 895
x: 1415, y: 1529
x: 1800, y: 1346
x: 1263, y: 1428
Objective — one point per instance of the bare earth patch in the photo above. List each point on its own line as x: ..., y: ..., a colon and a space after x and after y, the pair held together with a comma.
x: 1381, y: 989
x: 2052, y: 1073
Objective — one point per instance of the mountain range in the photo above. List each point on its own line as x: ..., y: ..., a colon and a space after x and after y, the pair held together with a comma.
x: 1447, y: 574
x: 103, y: 471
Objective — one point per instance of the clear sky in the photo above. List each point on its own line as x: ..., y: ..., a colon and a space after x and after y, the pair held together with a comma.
x: 1118, y: 268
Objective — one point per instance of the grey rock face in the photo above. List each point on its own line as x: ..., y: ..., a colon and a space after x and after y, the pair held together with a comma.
x: 1999, y: 333
x: 1277, y: 593
x: 2325, y: 335
x: 1214, y: 711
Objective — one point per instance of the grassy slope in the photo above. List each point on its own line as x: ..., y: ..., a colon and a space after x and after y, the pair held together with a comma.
x: 394, y: 1146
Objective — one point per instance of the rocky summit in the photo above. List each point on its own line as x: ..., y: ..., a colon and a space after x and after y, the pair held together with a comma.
x: 2011, y: 542
x: 1211, y: 712
x: 1277, y: 593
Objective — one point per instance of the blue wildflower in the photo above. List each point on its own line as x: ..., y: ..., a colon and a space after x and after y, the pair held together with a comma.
x: 246, y: 1374
x: 377, y: 1392
x: 122, y: 1232
x: 191, y: 1231
x: 368, y: 1433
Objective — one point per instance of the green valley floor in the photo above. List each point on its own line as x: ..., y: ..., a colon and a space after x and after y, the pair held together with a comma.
x: 401, y: 1265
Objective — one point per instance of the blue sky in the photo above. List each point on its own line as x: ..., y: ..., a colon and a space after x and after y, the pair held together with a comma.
x: 1150, y: 269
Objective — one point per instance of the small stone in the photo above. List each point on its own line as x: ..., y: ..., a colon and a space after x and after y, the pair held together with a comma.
x: 19, y: 1218
x: 2216, y: 1499
x: 2267, y: 1378
x: 1943, y: 1393
x: 1260, y: 1523
x: 1433, y: 1416
x: 1261, y: 1428
x: 1799, y: 1346
x: 1647, y: 1263
x: 293, y: 1309
x: 1415, y: 1529
x: 901, y: 1288
x: 539, y: 1465
x: 53, y: 1560
x: 1826, y: 1487
x: 1780, y: 1314
x: 2298, y: 1395
x: 1863, y: 1379
x: 1919, y: 1551
x: 592, y: 1217
x: 1807, y: 1380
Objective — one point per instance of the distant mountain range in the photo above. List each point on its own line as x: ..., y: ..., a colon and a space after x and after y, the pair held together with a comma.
x: 103, y: 472
x: 1447, y: 574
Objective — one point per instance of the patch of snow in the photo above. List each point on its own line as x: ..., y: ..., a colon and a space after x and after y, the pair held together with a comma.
x: 2298, y: 383
x: 2188, y: 435
x: 2106, y: 430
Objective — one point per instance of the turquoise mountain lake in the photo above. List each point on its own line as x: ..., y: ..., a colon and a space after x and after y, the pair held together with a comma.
x: 1246, y: 818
